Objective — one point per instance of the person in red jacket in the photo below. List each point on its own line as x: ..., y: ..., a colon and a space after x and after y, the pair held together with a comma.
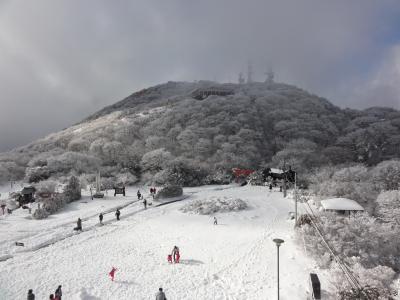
x: 112, y: 273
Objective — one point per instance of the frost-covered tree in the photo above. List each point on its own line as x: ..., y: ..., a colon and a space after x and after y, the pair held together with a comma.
x: 181, y: 172
x: 72, y: 161
x: 386, y: 175
x: 36, y: 174
x: 359, y: 239
x: 72, y: 191
x: 388, y: 207
x: 352, y: 182
x: 112, y: 152
x: 96, y: 147
x: 156, y: 160
x: 80, y: 144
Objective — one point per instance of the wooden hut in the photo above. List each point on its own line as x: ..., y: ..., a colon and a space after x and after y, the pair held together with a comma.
x: 27, y: 195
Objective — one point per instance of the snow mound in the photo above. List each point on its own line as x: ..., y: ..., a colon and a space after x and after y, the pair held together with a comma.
x: 84, y: 295
x: 214, y: 205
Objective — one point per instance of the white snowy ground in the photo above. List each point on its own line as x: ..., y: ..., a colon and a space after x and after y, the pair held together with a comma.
x: 234, y: 260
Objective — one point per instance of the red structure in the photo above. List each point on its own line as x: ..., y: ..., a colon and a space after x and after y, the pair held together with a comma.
x: 241, y: 173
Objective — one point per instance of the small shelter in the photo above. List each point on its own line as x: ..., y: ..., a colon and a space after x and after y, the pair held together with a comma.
x: 341, y: 205
x: 203, y: 93
x: 278, y: 174
x: 119, y: 189
x: 27, y: 195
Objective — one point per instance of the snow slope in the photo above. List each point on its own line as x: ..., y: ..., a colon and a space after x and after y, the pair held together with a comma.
x: 233, y: 260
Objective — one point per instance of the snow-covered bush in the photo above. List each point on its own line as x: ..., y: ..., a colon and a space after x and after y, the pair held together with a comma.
x: 127, y: 178
x: 256, y: 178
x: 219, y: 176
x: 40, y: 214
x: 36, y: 174
x: 181, y: 172
x: 169, y: 192
x: 72, y: 191
x: 46, y: 186
x: 375, y: 283
x: 54, y: 203
x: 214, y: 205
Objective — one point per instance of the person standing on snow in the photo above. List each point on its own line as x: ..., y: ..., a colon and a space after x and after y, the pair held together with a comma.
x: 117, y: 214
x: 175, y: 252
x: 78, y: 225
x: 112, y: 273
x: 160, y: 295
x: 139, y: 195
x: 58, y: 293
x: 101, y: 218
x: 31, y: 295
x: 145, y: 203
x: 215, y: 221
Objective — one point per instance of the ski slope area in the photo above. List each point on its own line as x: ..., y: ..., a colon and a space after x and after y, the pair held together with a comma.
x: 234, y: 260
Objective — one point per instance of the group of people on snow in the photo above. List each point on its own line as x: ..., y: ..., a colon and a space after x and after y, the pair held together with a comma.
x: 101, y: 217
x: 117, y: 215
x: 56, y: 296
x: 153, y: 191
x: 140, y: 197
x: 175, y: 256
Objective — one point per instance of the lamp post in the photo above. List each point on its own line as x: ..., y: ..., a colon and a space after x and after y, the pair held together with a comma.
x: 278, y: 242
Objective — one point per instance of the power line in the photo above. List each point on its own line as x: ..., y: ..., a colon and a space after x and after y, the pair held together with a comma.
x: 350, y: 277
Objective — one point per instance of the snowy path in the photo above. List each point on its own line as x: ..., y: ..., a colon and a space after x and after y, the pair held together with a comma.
x: 234, y: 260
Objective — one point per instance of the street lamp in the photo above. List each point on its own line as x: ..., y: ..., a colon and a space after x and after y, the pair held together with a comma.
x: 278, y: 242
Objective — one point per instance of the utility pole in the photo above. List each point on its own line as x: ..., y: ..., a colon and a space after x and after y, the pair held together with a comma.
x: 249, y: 72
x: 284, y: 180
x: 284, y: 186
x: 295, y: 198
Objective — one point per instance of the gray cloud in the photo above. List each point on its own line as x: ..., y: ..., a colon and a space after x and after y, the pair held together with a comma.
x: 62, y: 60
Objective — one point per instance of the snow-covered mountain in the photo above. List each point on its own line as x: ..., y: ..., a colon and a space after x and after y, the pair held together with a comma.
x: 198, y: 129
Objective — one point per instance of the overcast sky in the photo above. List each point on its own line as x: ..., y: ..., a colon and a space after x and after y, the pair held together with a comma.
x: 63, y: 60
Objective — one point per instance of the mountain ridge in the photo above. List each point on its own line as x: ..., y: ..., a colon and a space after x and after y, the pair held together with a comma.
x: 163, y: 128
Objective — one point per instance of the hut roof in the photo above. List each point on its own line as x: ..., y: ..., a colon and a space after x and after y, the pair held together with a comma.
x: 28, y: 190
x: 276, y: 171
x: 341, y: 204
